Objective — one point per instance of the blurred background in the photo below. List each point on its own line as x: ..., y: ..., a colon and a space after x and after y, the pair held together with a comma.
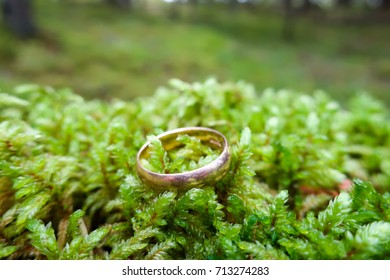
x: 127, y: 48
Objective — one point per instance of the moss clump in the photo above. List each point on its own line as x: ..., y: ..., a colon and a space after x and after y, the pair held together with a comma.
x: 68, y: 187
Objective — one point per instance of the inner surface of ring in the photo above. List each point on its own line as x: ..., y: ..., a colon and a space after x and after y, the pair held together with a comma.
x: 169, y: 141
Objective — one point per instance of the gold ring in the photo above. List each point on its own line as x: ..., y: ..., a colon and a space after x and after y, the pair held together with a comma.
x: 206, y: 175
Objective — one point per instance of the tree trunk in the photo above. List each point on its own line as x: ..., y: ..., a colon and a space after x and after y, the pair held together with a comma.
x: 307, y: 5
x: 233, y: 5
x: 288, y: 21
x: 17, y: 16
x: 386, y: 4
x: 173, y: 12
x: 193, y: 10
x: 345, y: 3
x: 123, y: 4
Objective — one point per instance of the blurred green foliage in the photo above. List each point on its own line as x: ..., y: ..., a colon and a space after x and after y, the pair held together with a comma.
x: 104, y: 52
x: 69, y: 190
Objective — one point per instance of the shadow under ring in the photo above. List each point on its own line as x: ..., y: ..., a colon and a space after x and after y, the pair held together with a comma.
x: 208, y: 174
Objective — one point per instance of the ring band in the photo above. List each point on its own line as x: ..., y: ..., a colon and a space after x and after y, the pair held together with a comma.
x: 207, y: 174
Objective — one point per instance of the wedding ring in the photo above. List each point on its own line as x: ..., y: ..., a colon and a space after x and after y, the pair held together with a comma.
x: 208, y: 174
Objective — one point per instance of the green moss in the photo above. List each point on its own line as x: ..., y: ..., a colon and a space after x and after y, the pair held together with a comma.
x: 69, y: 190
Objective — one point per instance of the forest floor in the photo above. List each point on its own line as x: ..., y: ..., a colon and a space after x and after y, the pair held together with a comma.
x: 103, y: 52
